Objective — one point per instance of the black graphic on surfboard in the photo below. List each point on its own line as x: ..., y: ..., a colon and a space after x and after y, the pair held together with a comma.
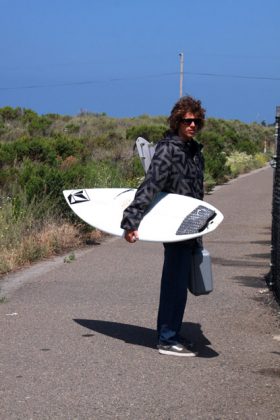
x: 78, y: 197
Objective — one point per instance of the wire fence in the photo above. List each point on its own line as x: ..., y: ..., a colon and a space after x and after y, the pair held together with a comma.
x: 273, y: 279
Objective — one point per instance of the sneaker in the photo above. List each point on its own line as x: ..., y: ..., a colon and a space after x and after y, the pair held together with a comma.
x: 186, y: 342
x: 175, y: 350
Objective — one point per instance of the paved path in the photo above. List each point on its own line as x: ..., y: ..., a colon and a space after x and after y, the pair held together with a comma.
x: 78, y: 339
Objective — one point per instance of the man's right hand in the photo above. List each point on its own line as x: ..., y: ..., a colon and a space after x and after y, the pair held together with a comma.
x: 131, y: 236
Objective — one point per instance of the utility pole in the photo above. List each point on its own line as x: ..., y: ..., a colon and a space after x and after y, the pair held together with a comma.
x: 181, y: 55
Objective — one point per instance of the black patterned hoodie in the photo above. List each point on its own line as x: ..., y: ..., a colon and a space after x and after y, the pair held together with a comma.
x: 176, y: 167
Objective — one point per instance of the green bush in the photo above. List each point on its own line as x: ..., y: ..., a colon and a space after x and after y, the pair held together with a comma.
x: 8, y: 113
x: 239, y: 163
x: 107, y: 141
x: 152, y: 133
x: 7, y: 155
x: 72, y: 128
x: 28, y: 116
x: 260, y: 160
x: 248, y: 138
x: 65, y: 147
x: 36, y: 149
x: 209, y: 182
x: 39, y: 126
x: 8, y: 179
x: 215, y: 156
x: 102, y: 156
x: 40, y: 156
x: 75, y: 176
x: 247, y: 146
x: 41, y: 149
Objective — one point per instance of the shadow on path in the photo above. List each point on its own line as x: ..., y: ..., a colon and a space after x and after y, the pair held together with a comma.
x: 250, y: 281
x: 146, y: 337
x: 237, y: 262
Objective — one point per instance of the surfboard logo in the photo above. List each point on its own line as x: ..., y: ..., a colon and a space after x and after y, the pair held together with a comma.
x: 78, y: 197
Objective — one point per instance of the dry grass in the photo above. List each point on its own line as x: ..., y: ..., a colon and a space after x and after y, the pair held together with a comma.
x: 53, y: 239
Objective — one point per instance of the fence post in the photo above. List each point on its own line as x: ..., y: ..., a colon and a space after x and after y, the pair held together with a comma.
x: 274, y: 280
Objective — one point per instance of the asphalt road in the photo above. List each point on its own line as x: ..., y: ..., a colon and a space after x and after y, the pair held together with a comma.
x: 78, y: 339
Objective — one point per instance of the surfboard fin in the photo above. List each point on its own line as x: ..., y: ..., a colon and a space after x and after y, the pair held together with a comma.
x: 146, y: 151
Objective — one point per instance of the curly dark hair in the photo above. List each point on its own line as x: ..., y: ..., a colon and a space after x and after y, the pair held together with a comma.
x: 184, y: 105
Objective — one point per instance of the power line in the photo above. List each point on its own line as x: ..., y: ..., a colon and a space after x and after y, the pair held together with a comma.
x: 235, y: 76
x: 120, y: 79
x: 87, y: 82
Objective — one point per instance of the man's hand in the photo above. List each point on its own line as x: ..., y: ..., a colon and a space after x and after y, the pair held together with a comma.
x: 131, y: 236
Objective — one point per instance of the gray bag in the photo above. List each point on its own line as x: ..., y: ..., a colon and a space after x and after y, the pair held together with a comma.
x: 201, y: 282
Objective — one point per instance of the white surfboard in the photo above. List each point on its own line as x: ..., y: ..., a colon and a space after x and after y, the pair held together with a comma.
x: 170, y: 218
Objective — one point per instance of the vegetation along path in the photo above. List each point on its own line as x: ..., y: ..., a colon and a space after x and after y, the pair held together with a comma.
x: 78, y: 338
x: 40, y: 156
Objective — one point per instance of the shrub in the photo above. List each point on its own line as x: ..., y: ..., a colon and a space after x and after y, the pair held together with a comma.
x: 31, y: 231
x: 107, y: 140
x: 239, y: 163
x: 28, y: 115
x: 65, y: 147
x: 215, y: 156
x: 72, y: 128
x: 215, y: 167
x: 36, y: 149
x: 36, y: 125
x: 260, y: 160
x: 8, y: 113
x: 152, y: 133
x: 39, y: 126
x: 39, y: 180
x: 247, y: 146
x: 95, y: 151
x: 209, y: 182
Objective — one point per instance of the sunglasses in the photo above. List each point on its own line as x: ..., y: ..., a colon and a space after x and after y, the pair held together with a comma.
x: 189, y: 121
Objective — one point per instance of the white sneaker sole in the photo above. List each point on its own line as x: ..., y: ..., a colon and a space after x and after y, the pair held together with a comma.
x: 173, y: 353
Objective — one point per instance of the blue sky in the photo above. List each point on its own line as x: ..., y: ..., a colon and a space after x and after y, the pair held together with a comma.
x: 122, y: 56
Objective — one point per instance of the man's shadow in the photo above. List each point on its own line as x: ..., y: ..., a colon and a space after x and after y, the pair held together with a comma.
x: 146, y: 337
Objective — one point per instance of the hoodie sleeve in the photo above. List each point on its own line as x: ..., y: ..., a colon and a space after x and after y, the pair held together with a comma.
x: 154, y: 182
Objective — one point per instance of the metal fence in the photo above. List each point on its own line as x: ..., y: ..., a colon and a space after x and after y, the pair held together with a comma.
x: 273, y: 279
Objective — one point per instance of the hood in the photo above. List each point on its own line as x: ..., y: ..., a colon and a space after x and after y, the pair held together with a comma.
x: 192, y: 145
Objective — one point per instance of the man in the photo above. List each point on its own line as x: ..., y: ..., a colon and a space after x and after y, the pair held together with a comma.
x: 177, y: 167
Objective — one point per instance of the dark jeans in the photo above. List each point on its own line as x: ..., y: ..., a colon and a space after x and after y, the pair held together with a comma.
x: 174, y: 290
